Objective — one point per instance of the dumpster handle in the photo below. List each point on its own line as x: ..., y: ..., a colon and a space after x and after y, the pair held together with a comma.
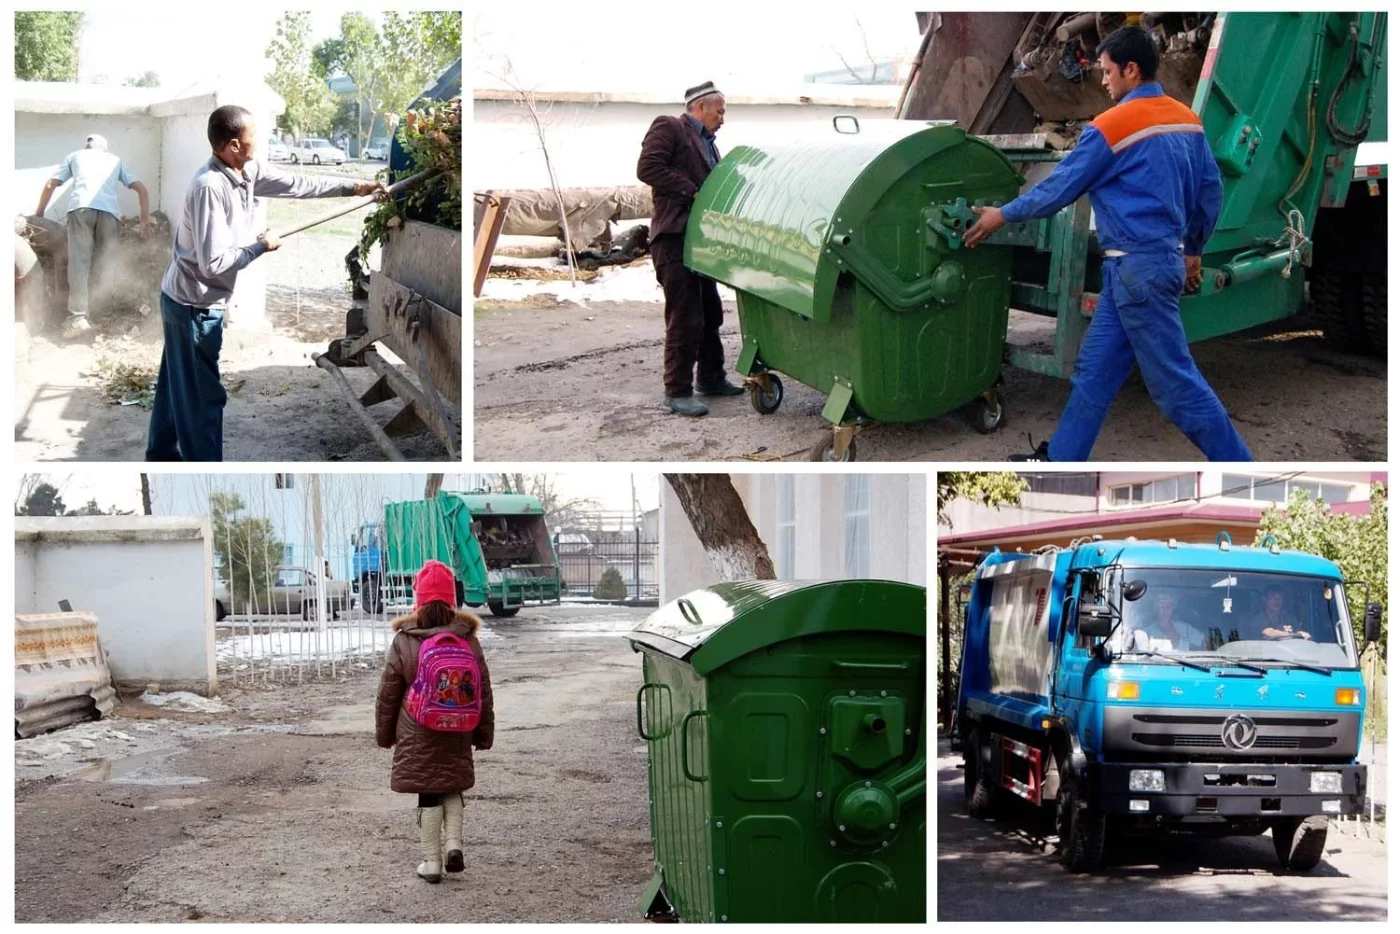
x: 872, y: 666
x: 888, y: 287
x: 836, y: 124
x: 641, y: 730
x: 688, y: 610
x: 685, y: 746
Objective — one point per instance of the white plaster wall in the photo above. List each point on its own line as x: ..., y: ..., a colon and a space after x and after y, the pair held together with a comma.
x: 42, y: 141
x: 147, y: 579
x: 598, y: 144
x: 898, y: 530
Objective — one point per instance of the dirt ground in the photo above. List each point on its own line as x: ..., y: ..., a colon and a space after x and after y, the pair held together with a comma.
x: 281, y: 406
x: 279, y: 808
x: 999, y: 871
x: 563, y: 376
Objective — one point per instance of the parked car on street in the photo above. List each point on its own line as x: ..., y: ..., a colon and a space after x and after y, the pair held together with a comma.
x: 317, y: 152
x: 293, y: 591
x: 377, y: 150
x: 278, y: 151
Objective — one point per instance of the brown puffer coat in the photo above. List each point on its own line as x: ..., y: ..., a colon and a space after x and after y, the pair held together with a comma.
x: 429, y: 761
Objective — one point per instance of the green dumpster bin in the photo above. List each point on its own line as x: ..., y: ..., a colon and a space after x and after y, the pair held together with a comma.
x: 844, y: 252
x: 785, y: 731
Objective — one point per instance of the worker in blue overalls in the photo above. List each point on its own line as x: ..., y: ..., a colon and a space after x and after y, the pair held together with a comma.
x: 1156, y: 193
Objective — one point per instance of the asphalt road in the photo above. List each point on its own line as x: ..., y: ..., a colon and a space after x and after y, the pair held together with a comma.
x: 998, y: 871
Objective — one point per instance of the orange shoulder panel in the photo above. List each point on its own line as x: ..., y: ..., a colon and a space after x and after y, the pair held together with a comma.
x: 1123, y: 120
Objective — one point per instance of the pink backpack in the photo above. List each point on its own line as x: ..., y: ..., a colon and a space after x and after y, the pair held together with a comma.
x: 446, y: 692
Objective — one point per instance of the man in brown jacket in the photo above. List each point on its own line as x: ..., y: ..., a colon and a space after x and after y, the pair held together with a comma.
x: 677, y: 154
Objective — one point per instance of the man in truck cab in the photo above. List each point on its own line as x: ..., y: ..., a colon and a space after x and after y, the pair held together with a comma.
x: 1273, y: 622
x: 1156, y: 192
x: 1164, y: 632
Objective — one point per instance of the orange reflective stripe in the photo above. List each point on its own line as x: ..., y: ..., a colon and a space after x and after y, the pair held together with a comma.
x: 1126, y: 123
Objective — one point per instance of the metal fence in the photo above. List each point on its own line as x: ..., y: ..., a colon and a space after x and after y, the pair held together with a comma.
x: 584, y: 557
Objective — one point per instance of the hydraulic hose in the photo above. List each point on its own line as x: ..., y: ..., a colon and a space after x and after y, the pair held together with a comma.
x: 1342, y: 135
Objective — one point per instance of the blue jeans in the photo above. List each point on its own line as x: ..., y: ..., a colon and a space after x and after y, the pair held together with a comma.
x: 1138, y: 320
x: 187, y: 418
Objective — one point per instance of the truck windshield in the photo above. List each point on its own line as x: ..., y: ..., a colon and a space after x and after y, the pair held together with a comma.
x: 1239, y: 615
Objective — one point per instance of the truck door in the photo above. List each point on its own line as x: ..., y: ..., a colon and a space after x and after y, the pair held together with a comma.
x: 1075, y: 660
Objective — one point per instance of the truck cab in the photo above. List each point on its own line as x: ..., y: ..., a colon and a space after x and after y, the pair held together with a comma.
x: 1130, y: 687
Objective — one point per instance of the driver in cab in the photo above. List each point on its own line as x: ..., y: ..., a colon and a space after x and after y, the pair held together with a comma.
x: 1163, y: 632
x: 1273, y: 622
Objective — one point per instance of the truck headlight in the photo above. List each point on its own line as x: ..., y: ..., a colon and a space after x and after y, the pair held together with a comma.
x: 1153, y: 780
x: 1325, y: 783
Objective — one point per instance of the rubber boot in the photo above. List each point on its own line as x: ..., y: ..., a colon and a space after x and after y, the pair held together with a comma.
x: 687, y: 405
x: 453, y: 830
x: 430, y: 843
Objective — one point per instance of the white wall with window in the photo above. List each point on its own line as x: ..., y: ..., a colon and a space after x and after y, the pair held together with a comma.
x: 1047, y: 496
x: 816, y: 527
x: 1173, y: 488
x: 1279, y: 488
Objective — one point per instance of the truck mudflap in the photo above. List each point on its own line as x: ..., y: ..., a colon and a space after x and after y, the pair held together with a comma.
x: 1238, y: 790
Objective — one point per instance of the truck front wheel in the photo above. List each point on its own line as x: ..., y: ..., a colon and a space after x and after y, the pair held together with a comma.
x: 371, y: 597
x: 1299, y: 841
x: 1083, y: 829
x: 977, y: 790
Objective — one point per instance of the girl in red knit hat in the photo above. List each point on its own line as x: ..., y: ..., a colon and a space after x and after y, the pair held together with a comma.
x: 433, y: 723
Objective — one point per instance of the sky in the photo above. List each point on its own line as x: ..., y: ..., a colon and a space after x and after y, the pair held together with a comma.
x: 122, y: 489
x: 584, y: 49
x: 123, y: 41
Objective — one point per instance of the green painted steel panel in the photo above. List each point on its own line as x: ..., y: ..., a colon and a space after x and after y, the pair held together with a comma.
x: 498, y: 504
x: 439, y: 529
x: 845, y: 270
x: 1260, y: 74
x: 787, y: 778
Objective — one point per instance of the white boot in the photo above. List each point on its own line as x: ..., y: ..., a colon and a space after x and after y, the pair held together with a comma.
x: 452, y: 811
x: 430, y: 844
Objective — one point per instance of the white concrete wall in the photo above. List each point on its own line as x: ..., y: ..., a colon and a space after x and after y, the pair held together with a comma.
x: 146, y: 578
x: 898, y: 530
x: 42, y: 141
x: 598, y: 144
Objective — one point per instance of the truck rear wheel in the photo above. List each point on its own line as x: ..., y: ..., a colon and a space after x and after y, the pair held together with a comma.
x: 1082, y: 827
x: 498, y: 609
x: 977, y: 790
x: 1299, y: 842
x: 1337, y: 309
x: 371, y: 596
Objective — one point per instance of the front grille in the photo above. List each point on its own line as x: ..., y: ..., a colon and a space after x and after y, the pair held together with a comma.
x: 1207, y: 741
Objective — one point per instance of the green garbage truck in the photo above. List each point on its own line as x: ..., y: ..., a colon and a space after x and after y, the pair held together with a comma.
x: 497, y: 544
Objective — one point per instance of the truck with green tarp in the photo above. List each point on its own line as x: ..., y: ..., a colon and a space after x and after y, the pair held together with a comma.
x: 497, y: 544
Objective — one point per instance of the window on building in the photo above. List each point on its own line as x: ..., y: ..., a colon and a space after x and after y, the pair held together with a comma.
x: 286, y: 481
x: 857, y: 526
x: 1162, y: 490
x: 786, y: 562
x: 1064, y: 484
x: 1278, y: 490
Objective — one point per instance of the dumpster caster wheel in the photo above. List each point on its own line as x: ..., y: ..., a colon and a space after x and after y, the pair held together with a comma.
x: 988, y: 413
x: 765, y: 393
x: 825, y: 450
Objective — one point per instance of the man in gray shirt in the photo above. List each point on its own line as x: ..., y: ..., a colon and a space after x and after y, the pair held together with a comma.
x: 215, y: 238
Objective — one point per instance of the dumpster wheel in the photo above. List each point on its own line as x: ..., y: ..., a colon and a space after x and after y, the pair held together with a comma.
x: 765, y: 392
x: 988, y: 412
x: 839, y: 447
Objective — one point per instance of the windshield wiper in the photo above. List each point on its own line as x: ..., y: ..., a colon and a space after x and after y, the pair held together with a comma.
x: 1170, y: 658
x: 1227, y: 662
x: 1303, y: 665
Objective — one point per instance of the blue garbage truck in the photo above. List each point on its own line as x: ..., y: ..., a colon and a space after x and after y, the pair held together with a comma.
x: 1137, y: 687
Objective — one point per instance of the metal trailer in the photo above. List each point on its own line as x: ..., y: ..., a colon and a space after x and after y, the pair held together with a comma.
x: 497, y: 545
x: 786, y: 735
x: 413, y: 306
x: 1286, y: 98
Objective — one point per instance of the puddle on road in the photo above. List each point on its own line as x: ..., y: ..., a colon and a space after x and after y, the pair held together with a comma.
x: 140, y: 769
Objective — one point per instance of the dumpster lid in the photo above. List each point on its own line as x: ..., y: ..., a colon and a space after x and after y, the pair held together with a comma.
x: 696, y: 627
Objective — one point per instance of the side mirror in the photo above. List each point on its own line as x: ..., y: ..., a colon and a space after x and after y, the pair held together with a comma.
x: 1095, y: 620
x: 1133, y: 590
x: 1372, y: 624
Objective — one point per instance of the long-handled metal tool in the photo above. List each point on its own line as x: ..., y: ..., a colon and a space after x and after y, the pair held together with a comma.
x: 401, y: 185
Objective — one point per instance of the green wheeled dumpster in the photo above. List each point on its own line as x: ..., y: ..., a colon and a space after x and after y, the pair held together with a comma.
x: 785, y: 728
x: 843, y: 249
